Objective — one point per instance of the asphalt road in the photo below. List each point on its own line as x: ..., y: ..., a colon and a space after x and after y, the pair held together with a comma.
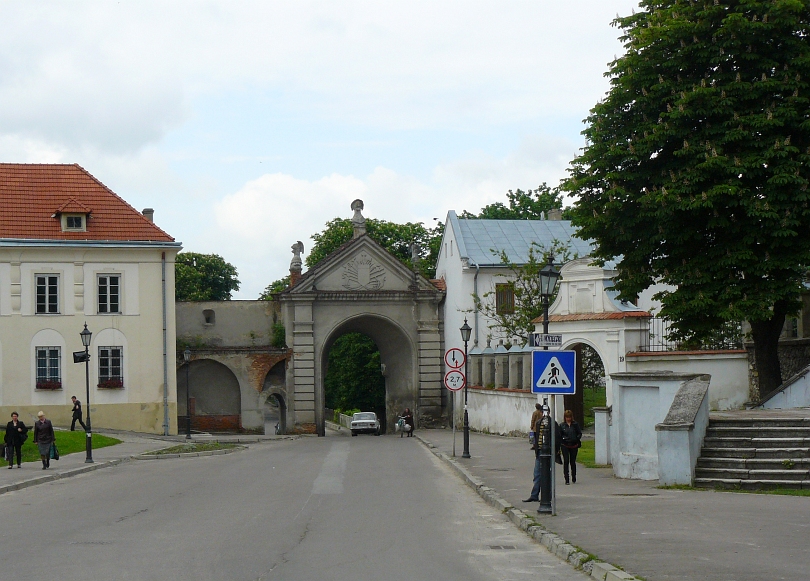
x: 313, y: 509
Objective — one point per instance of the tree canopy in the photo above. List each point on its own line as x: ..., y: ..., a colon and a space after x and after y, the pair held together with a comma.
x: 695, y: 170
x: 395, y: 238
x: 353, y: 378
x: 204, y: 277
x: 274, y: 287
x: 528, y: 205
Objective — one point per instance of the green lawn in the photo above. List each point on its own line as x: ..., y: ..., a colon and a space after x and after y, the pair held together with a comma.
x: 593, y: 398
x: 67, y: 442
x: 587, y: 453
x: 777, y: 491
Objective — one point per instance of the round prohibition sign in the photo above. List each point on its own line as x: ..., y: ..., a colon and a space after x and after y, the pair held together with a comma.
x: 455, y: 380
x: 454, y: 358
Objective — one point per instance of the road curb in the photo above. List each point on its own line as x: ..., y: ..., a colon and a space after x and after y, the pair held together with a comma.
x: 554, y: 543
x: 188, y: 454
x: 53, y: 476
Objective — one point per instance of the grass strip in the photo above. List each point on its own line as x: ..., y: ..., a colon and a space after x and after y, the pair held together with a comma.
x: 776, y: 491
x: 191, y: 448
x: 67, y: 442
x: 587, y: 455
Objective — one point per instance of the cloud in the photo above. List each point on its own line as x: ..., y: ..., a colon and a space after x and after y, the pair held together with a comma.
x: 256, y: 225
x: 121, y: 76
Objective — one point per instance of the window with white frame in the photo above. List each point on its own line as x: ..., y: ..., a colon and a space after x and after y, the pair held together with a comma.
x: 49, y: 365
x: 109, y: 293
x: 110, y: 367
x: 47, y: 294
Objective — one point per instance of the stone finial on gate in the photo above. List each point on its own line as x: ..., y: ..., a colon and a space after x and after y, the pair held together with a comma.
x: 295, y: 263
x: 358, y: 221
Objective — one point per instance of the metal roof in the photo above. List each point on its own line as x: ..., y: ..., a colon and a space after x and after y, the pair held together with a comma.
x: 481, y: 241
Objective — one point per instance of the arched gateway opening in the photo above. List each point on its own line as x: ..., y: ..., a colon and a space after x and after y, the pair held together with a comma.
x: 390, y: 377
x: 215, y: 401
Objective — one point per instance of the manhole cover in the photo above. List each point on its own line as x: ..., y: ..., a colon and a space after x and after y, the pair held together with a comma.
x: 634, y: 494
x: 499, y: 469
x: 503, y: 547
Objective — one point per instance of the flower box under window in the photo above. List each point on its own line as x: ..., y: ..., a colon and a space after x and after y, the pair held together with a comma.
x: 52, y: 385
x: 112, y: 383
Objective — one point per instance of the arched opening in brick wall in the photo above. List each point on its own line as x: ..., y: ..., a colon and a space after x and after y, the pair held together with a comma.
x: 215, y: 398
x: 275, y: 406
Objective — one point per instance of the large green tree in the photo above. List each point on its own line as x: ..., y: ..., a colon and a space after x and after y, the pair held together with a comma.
x: 520, y: 205
x: 353, y: 378
x: 204, y: 277
x: 695, y: 169
x: 395, y: 238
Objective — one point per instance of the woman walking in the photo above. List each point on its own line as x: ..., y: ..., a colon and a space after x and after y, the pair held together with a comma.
x: 43, y: 438
x: 571, y: 441
x: 16, y: 433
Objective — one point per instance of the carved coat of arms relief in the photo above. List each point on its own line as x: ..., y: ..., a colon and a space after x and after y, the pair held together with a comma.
x: 362, y: 273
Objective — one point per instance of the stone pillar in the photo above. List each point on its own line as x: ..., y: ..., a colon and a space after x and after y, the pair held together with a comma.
x: 526, y: 351
x: 501, y: 365
x: 474, y: 366
x: 515, y: 367
x: 308, y: 404
x: 488, y: 366
x: 430, y: 373
x: 602, y: 435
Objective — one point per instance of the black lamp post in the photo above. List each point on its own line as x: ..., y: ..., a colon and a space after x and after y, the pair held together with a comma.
x: 86, y: 335
x: 465, y: 336
x: 548, y: 283
x: 187, y: 359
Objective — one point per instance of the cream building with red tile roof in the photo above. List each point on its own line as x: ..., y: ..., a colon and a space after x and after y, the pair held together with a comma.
x: 73, y: 252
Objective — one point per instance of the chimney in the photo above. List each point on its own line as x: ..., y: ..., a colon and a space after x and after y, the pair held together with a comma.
x: 555, y: 214
x: 149, y: 214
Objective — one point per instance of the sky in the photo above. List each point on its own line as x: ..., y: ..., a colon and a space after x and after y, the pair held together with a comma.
x: 248, y: 125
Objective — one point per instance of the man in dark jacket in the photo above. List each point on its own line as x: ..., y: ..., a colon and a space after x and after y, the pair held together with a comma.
x: 77, y: 414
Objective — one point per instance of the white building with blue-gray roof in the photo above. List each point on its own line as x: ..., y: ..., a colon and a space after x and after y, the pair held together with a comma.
x: 470, y: 264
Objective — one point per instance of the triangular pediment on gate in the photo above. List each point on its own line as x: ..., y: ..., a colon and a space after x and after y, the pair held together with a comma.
x: 361, y: 265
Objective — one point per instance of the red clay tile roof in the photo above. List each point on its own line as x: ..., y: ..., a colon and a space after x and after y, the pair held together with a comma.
x: 594, y: 316
x: 30, y: 195
x: 72, y: 207
x: 439, y: 283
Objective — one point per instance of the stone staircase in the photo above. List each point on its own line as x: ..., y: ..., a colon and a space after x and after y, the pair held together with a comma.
x: 753, y: 450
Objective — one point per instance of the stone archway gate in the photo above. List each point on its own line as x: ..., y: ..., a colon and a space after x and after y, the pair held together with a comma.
x: 362, y: 288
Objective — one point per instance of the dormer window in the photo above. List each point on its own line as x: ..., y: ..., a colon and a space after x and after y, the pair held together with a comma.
x: 74, y: 222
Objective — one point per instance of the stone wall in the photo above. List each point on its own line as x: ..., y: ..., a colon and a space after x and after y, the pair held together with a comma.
x: 794, y: 356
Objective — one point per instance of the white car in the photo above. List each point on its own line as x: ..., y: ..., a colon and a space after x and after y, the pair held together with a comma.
x: 365, y: 422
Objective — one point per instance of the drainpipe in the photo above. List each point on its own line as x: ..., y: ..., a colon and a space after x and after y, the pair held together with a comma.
x: 475, y: 291
x: 165, y: 352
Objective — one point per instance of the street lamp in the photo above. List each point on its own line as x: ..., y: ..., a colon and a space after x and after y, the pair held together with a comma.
x: 465, y: 336
x: 548, y: 283
x: 187, y: 359
x: 86, y: 335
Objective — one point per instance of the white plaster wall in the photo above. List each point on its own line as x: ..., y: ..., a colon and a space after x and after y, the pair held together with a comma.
x: 646, y: 301
x: 729, y: 386
x: 498, y: 412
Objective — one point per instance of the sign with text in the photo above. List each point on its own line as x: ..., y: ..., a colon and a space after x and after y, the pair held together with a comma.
x: 455, y: 380
x: 554, y: 372
x: 547, y: 340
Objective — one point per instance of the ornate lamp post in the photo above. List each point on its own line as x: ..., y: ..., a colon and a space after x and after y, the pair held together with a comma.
x: 86, y: 335
x: 465, y: 336
x: 187, y: 359
x: 548, y: 283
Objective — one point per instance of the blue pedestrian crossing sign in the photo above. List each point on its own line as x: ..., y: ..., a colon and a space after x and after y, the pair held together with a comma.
x: 554, y: 372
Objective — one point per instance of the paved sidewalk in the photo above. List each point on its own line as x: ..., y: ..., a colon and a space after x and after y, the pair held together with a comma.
x: 652, y: 533
x: 32, y: 473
